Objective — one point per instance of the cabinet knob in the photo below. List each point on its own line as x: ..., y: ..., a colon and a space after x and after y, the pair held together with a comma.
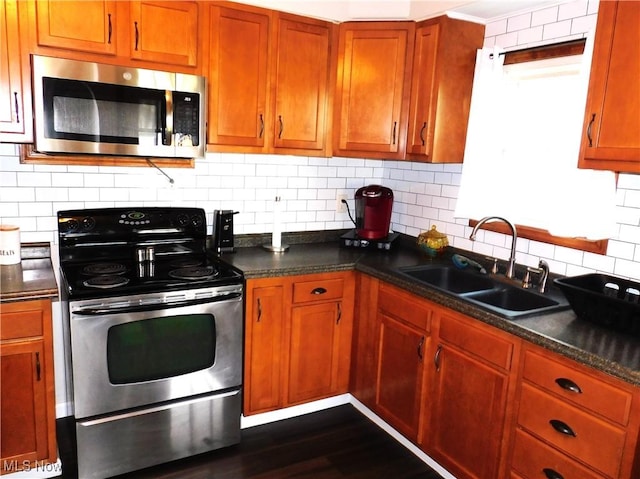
x: 318, y: 291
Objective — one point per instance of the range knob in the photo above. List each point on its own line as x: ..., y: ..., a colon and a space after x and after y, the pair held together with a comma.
x: 88, y: 223
x: 71, y: 225
x: 197, y: 220
x: 183, y: 220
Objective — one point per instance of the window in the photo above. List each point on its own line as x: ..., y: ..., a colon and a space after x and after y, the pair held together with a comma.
x: 522, y: 148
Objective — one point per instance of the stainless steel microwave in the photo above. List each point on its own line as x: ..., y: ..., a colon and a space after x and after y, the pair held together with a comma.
x: 91, y: 108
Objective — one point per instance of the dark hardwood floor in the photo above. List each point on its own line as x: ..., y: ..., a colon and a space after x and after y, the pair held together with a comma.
x: 335, y: 443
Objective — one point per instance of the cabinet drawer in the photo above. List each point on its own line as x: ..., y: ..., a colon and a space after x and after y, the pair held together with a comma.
x: 488, y: 346
x: 595, y: 442
x: 534, y: 459
x: 17, y: 322
x: 318, y: 290
x: 586, y: 391
x: 405, y: 306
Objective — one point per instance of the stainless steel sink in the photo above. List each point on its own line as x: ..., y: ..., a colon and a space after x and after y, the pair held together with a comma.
x: 499, y: 296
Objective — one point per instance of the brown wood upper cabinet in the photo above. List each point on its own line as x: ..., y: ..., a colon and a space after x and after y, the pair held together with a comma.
x: 443, y: 66
x: 303, y: 67
x: 15, y: 80
x: 270, y: 81
x: 611, y: 131
x: 372, y: 92
x: 238, y: 72
x: 149, y: 31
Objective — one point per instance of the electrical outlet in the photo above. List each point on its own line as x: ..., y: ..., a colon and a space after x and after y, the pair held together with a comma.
x: 340, y: 206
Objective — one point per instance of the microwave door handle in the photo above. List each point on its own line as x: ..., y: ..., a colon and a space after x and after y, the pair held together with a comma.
x: 167, y: 131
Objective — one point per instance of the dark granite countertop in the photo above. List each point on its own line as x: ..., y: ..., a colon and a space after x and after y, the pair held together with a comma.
x: 608, y: 351
x: 32, y: 278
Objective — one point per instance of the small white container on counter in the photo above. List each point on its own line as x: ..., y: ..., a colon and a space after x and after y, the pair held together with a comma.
x: 9, y: 244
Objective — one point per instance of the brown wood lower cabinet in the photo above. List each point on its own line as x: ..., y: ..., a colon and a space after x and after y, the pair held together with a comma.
x: 483, y: 403
x: 27, y: 411
x: 443, y: 380
x: 298, y: 333
x: 404, y: 325
x: 573, y: 421
x: 473, y: 384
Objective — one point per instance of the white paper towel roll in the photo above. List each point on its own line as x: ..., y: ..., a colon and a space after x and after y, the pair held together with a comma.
x: 9, y: 244
x: 276, y: 237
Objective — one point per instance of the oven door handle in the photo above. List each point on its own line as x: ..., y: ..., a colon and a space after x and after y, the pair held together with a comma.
x: 155, y: 306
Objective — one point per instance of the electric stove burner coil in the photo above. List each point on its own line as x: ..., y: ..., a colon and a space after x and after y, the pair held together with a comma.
x: 106, y: 281
x: 186, y: 263
x: 94, y: 269
x: 195, y: 272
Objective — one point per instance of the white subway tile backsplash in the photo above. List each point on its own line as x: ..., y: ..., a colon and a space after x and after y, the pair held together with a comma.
x: 544, y: 16
x: 571, y: 10
x: 627, y: 268
x: 583, y: 24
x: 620, y: 249
x: 519, y: 22
x: 554, y: 31
x: 530, y: 35
x: 495, y: 28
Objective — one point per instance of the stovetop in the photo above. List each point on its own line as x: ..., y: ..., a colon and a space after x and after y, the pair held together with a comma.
x: 121, y: 251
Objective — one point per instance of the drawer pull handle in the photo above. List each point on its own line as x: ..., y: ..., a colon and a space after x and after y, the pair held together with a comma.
x: 551, y: 474
x: 436, y: 357
x: 420, y: 345
x: 38, y: 366
x: 318, y: 291
x: 259, y: 310
x: 589, y: 137
x: 562, y: 427
x: 568, y: 385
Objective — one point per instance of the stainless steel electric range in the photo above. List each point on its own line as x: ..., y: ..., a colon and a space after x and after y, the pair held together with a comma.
x: 155, y: 328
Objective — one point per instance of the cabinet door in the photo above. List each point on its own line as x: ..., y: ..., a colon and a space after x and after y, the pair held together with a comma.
x: 473, y: 380
x: 316, y: 336
x: 302, y: 62
x: 264, y: 351
x: 15, y: 96
x: 400, y: 374
x: 237, y: 73
x: 611, y: 133
x: 23, y: 420
x: 82, y: 25
x: 422, y: 91
x: 444, y: 63
x: 365, y: 341
x: 164, y: 32
x: 372, y: 89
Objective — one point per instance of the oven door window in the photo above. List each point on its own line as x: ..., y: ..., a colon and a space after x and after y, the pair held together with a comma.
x: 160, y: 348
x: 97, y: 112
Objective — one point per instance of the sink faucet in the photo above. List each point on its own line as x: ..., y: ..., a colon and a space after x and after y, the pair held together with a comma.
x: 514, y: 236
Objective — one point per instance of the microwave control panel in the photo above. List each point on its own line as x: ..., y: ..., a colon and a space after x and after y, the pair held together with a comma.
x: 186, y: 118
